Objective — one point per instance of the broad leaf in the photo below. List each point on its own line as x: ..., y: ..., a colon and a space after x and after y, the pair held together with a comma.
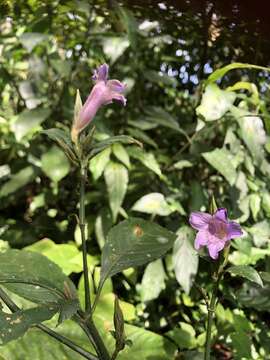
x: 246, y: 272
x: 13, y: 326
x: 29, y: 121
x: 66, y: 256
x: 116, y: 177
x: 153, y: 281
x: 55, y: 164
x: 221, y: 160
x: 131, y: 243
x: 34, y: 277
x: 153, y: 203
x: 215, y: 103
x: 185, y: 258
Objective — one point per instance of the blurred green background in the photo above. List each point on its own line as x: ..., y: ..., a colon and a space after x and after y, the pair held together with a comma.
x: 200, y: 138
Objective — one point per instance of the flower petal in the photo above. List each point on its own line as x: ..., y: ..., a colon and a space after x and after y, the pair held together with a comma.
x: 221, y: 214
x: 120, y: 98
x: 116, y: 85
x: 201, y: 239
x: 199, y: 220
x: 214, y: 248
x: 101, y: 74
x: 234, y: 230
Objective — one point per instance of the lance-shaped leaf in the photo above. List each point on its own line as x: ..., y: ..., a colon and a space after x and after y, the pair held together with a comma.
x: 13, y: 326
x: 101, y: 145
x: 246, y: 272
x: 131, y: 243
x: 34, y: 277
x: 219, y: 73
x: 63, y: 139
x: 116, y: 177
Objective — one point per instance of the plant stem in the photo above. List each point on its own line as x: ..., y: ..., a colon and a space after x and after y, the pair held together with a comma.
x: 83, y: 237
x: 88, y: 324
x: 211, y: 311
x: 13, y: 307
x: 102, y: 351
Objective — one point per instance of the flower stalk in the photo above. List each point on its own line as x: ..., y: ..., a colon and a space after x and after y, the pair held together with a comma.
x: 82, y: 226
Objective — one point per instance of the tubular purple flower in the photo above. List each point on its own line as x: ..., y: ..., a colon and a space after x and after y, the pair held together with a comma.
x: 214, y: 231
x: 103, y: 93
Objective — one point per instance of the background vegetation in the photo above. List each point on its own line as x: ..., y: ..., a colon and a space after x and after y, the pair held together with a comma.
x: 199, y: 138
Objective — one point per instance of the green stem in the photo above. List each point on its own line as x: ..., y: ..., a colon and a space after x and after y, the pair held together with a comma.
x: 13, y: 307
x: 88, y: 323
x: 210, y: 317
x: 83, y: 237
x: 102, y: 351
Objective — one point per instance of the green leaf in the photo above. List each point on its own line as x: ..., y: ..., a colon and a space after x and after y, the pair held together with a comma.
x: 34, y: 277
x: 28, y: 122
x: 185, y: 258
x: 121, y: 154
x: 31, y: 39
x: 153, y: 203
x: 255, y: 205
x: 147, y: 159
x: 55, y: 164
x: 116, y: 177
x: 36, y: 345
x: 219, y: 73
x: 17, y: 181
x: 242, y: 345
x: 99, y: 162
x: 250, y: 295
x: 221, y: 160
x: 161, y: 117
x: 215, y: 103
x: 66, y: 256
x: 260, y: 233
x: 131, y: 243
x: 62, y: 138
x: 254, y: 135
x: 182, y: 164
x: 185, y: 336
x: 246, y: 272
x: 13, y: 326
x: 101, y: 145
x: 153, y: 281
x: 68, y: 308
x: 114, y: 47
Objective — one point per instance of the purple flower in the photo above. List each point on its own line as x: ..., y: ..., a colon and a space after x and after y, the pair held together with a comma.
x: 103, y: 93
x: 215, y: 231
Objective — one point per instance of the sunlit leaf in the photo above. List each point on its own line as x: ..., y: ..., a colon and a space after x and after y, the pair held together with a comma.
x: 246, y: 272
x: 153, y: 203
x: 153, y: 281
x: 116, y: 177
x: 215, y: 103
x: 185, y: 258
x: 34, y: 277
x: 55, y: 164
x: 221, y: 160
x: 99, y: 162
